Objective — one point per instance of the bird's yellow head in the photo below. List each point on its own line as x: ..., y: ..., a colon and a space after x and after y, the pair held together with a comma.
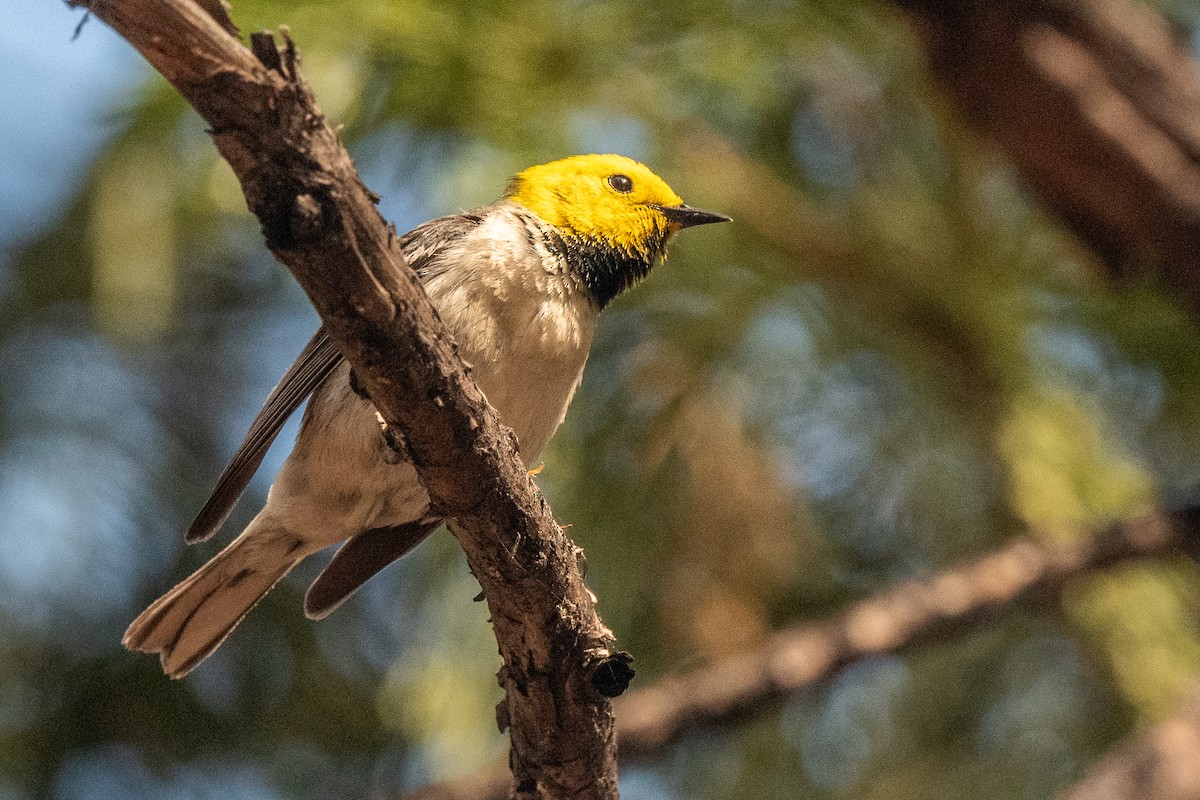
x: 614, y: 215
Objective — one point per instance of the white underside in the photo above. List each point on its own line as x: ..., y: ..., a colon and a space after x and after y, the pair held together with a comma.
x: 525, y: 330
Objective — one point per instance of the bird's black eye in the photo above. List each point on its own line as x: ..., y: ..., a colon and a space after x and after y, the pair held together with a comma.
x: 621, y: 183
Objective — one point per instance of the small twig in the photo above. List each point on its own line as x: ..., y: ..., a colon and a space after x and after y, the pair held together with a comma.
x: 82, y: 21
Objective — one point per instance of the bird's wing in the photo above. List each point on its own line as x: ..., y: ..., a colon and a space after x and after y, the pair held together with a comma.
x: 422, y: 246
x: 358, y: 560
x: 318, y: 358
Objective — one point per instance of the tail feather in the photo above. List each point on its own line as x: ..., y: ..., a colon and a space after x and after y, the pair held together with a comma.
x: 358, y: 560
x: 188, y: 623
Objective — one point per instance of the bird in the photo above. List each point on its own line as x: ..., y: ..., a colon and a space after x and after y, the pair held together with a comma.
x: 519, y: 284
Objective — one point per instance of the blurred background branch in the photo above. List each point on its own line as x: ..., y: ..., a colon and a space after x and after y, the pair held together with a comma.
x: 1097, y: 103
x: 904, y: 616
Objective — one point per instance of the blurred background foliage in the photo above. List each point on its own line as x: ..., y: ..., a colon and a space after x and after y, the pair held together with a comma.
x: 891, y: 361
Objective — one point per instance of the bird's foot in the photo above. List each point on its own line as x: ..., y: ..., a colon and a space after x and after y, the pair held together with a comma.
x: 538, y: 470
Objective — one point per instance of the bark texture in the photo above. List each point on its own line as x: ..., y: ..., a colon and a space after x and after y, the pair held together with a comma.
x: 320, y: 221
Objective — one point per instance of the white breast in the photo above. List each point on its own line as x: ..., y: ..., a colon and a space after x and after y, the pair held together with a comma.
x: 524, y: 328
x: 520, y: 322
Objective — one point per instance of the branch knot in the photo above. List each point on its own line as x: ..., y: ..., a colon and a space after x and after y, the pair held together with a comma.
x: 611, y: 676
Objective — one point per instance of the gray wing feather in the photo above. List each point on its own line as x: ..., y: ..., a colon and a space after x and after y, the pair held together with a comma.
x: 320, y: 356
x: 424, y: 244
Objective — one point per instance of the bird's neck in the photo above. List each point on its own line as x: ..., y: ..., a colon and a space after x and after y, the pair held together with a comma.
x: 602, y: 269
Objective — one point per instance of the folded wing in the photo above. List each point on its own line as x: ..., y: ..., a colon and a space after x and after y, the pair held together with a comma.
x: 319, y: 357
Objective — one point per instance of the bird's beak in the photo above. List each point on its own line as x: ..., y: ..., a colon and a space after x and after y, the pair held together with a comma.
x: 686, y: 216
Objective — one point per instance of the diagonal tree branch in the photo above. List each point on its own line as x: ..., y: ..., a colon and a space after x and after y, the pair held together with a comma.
x: 320, y: 221
x: 897, y: 619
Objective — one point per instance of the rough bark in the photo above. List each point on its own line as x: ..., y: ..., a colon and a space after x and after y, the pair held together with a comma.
x: 958, y: 599
x: 320, y: 221
x: 1098, y: 106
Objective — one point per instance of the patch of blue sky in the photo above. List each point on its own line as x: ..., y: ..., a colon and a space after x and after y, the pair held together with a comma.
x: 57, y: 94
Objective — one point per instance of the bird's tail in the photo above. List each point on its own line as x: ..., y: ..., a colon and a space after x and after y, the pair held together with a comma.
x: 188, y: 623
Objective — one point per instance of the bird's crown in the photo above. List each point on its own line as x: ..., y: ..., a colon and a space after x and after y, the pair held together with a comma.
x: 607, y: 199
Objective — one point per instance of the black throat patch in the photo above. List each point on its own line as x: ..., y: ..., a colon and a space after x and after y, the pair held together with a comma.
x: 603, y: 270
